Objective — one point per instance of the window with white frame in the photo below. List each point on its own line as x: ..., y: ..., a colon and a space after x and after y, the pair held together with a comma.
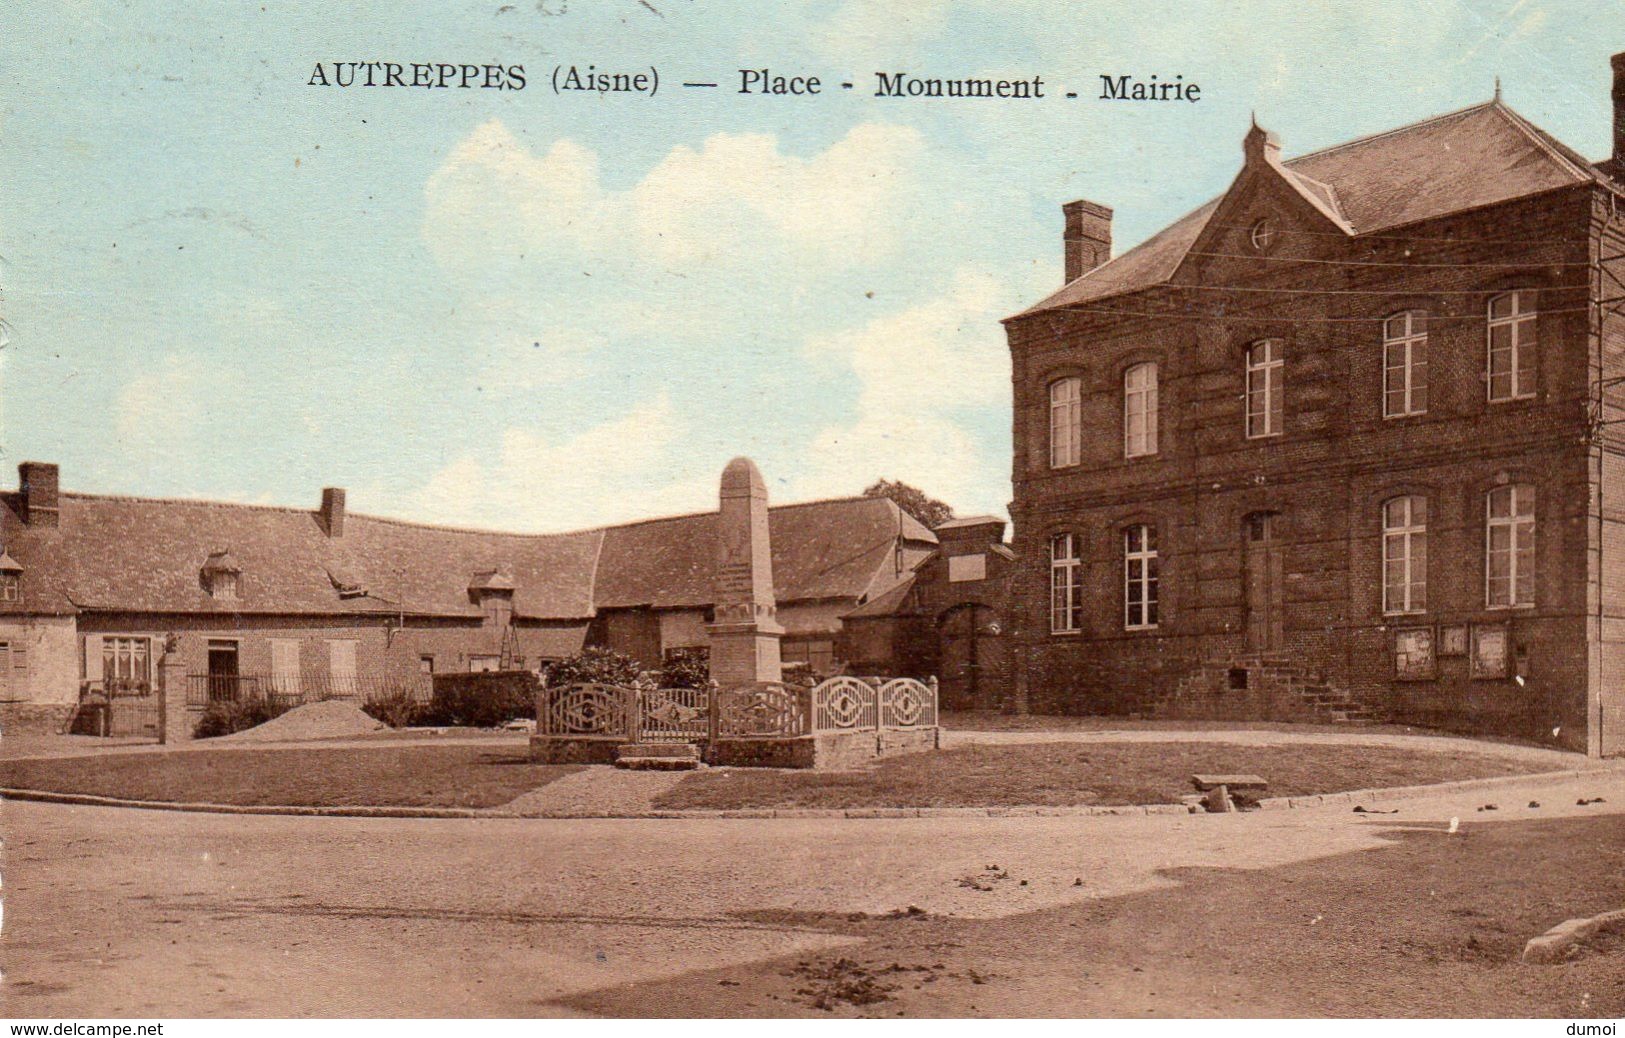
x: 1065, y: 421
x: 1405, y: 554
x: 1066, y: 584
x: 1140, y: 577
x: 1264, y: 389
x: 11, y: 587
x: 127, y: 663
x: 1405, y: 364
x: 1511, y: 362
x: 1140, y: 410
x: 1509, y: 546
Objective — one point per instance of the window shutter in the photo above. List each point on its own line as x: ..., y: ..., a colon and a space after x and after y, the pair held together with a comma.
x: 93, y: 657
x: 19, y: 663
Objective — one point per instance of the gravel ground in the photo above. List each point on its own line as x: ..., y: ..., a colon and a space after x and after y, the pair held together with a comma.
x: 331, y: 719
x: 135, y: 913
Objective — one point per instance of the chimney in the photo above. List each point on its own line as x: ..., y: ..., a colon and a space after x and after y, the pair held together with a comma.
x: 333, y: 511
x: 1618, y: 61
x: 1088, y: 237
x: 37, y: 485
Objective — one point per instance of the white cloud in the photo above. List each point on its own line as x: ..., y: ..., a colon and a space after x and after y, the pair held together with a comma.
x: 161, y: 407
x: 607, y: 473
x: 935, y: 378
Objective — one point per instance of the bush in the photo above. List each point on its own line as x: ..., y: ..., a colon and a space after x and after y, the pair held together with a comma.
x: 481, y: 700
x: 686, y: 668
x: 224, y: 718
x: 398, y: 709
x: 603, y: 666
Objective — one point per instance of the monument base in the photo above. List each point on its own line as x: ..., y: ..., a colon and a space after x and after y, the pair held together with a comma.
x: 743, y: 654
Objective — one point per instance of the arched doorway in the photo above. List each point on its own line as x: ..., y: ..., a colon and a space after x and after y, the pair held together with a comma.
x: 973, y: 668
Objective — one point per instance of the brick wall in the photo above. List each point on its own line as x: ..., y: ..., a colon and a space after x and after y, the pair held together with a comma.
x: 1326, y: 476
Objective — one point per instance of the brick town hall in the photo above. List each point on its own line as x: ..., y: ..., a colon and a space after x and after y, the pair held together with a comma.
x: 1343, y: 442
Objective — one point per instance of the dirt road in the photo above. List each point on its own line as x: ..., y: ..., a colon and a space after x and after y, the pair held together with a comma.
x: 135, y: 913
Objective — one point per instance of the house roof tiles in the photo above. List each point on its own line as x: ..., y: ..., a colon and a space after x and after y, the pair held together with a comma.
x: 129, y: 554
x: 1451, y: 163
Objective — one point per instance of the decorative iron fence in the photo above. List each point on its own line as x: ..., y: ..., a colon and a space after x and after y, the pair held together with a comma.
x: 674, y: 714
x: 762, y: 711
x: 588, y: 709
x: 767, y: 710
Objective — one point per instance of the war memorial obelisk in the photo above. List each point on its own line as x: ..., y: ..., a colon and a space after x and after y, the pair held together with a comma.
x: 745, y: 630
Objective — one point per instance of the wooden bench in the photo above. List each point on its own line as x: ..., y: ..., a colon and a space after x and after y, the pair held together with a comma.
x: 1219, y: 788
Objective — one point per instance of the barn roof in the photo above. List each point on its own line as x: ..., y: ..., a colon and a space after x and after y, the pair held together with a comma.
x: 128, y: 554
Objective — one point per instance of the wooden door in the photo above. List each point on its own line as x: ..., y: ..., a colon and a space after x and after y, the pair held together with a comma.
x: 1264, y: 585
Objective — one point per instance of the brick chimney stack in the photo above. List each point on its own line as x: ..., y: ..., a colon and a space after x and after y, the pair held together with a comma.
x: 37, y: 485
x: 1618, y: 61
x: 332, y: 514
x: 1088, y: 237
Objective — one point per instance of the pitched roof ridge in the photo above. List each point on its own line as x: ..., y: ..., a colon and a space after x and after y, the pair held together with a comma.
x: 1576, y: 162
x: 486, y: 531
x: 848, y: 499
x: 1368, y: 138
x: 201, y: 502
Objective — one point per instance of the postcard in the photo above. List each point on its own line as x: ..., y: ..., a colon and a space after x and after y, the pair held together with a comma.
x: 689, y: 509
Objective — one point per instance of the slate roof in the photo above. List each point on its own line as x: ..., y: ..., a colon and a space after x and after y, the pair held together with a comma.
x: 821, y: 550
x: 148, y: 555
x: 1462, y: 160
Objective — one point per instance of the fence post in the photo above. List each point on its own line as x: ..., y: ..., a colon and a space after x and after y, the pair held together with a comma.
x: 936, y: 705
x: 809, y: 707
x: 634, y: 714
x: 713, y: 715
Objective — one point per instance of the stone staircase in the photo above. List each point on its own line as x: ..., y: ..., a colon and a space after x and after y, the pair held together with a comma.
x: 658, y: 756
x: 1259, y: 687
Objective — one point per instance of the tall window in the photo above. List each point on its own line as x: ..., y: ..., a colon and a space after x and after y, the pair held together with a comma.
x: 1264, y: 389
x: 1509, y: 546
x: 1140, y: 410
x: 126, y: 663
x: 1140, y: 577
x: 1065, y: 583
x: 11, y: 587
x: 1511, y: 373
x: 1405, y: 555
x: 1405, y: 364
x: 1065, y: 421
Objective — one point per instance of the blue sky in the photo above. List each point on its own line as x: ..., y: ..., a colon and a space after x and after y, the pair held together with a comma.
x: 534, y: 312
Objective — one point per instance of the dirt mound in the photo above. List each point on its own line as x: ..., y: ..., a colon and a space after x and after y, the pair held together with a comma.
x: 326, y: 720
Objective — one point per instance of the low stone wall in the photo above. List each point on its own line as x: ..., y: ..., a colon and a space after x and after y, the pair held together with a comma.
x: 825, y: 751
x: 35, y: 718
x: 573, y: 749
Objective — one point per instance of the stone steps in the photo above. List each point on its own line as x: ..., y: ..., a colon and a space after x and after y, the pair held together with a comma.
x: 1274, y: 690
x: 658, y: 756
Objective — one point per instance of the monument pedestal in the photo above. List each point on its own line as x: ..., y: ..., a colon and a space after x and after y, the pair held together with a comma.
x: 745, y: 653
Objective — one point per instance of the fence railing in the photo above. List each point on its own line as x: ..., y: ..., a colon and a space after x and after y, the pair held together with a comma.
x: 767, y: 710
x: 294, y: 690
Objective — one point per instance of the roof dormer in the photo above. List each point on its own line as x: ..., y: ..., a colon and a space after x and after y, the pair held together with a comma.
x: 11, y: 578
x: 220, y: 575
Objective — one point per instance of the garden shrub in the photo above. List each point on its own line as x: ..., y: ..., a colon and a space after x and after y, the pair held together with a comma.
x: 604, y: 666
x: 224, y: 718
x: 481, y: 700
x: 398, y: 709
x: 686, y: 668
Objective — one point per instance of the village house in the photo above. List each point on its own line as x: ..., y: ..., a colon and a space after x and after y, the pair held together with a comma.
x: 98, y: 593
x: 1342, y: 443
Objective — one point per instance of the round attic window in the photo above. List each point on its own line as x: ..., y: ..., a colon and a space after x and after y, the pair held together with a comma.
x: 1261, y: 235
